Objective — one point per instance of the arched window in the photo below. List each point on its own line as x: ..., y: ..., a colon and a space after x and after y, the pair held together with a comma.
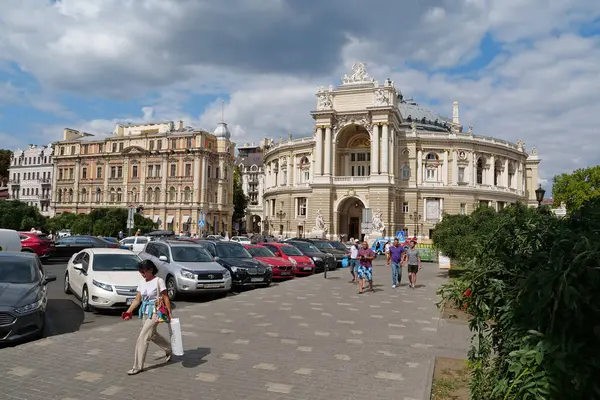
x: 113, y: 195
x: 98, y: 195
x: 149, y: 195
x: 431, y: 157
x: 187, y: 194
x: 511, y: 174
x: 172, y: 195
x: 498, y: 173
x: 119, y: 195
x: 157, y: 195
x: 83, y: 196
x: 405, y: 172
x: 480, y: 167
x: 59, y: 196
x: 70, y: 195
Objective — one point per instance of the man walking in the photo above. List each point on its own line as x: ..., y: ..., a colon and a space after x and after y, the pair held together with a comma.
x: 394, y: 258
x: 354, y: 261
x: 413, y: 260
x: 365, y: 268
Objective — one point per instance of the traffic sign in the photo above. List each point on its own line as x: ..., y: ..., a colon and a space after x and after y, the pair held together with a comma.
x: 201, y: 223
x: 130, y: 217
x: 366, y: 228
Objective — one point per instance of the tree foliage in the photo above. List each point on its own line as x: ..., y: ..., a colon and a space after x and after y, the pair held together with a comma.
x: 5, y: 156
x: 576, y: 188
x: 531, y: 290
x: 19, y: 216
x: 99, y: 222
x: 240, y: 200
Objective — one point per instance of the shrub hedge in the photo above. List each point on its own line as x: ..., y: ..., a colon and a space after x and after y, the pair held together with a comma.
x: 532, y: 287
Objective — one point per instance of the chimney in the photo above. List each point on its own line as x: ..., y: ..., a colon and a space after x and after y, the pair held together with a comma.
x: 180, y: 125
x: 455, y: 114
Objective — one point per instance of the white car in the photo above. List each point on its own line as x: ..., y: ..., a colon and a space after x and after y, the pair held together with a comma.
x: 103, y: 278
x: 135, y: 243
x: 241, y: 239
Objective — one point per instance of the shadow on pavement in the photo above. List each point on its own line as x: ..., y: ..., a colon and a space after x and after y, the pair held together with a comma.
x: 193, y: 358
x: 63, y: 316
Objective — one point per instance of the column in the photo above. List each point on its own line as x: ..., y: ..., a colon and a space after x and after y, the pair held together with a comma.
x: 164, y: 170
x: 125, y: 198
x: 491, y: 171
x: 445, y: 169
x: 505, y: 174
x: 292, y: 171
x: 347, y: 165
x: 53, y: 191
x: 105, y: 194
x: 142, y: 174
x: 472, y: 178
x: 385, y: 151
x: 393, y: 152
x: 319, y: 152
x: 375, y: 151
x: 455, y: 167
x: 328, y: 151
x: 76, y: 185
x: 419, y: 170
x: 204, y: 180
x: 197, y: 181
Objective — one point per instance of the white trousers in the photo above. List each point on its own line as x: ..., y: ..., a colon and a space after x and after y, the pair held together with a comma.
x: 148, y: 334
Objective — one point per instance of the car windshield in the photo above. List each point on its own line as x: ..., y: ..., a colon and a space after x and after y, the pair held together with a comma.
x: 339, y: 246
x: 18, y: 270
x: 307, y: 247
x: 260, y: 252
x: 323, y: 246
x: 290, y: 251
x: 231, y: 250
x: 190, y: 254
x: 115, y: 262
x: 43, y: 237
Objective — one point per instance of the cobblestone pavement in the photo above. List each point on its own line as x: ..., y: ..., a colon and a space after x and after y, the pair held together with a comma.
x: 310, y: 338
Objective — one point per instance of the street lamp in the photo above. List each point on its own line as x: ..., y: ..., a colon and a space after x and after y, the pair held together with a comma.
x: 416, y: 217
x: 281, y: 215
x: 539, y: 195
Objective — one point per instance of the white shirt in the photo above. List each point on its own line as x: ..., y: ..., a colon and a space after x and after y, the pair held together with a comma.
x: 387, y: 247
x: 148, y: 289
x: 354, y: 252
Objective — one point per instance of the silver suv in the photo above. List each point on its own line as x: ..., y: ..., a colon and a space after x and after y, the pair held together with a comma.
x: 187, y: 268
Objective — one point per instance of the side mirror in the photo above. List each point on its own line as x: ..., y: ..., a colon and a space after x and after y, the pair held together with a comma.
x: 278, y: 254
x: 163, y: 258
x: 217, y: 258
x: 78, y: 267
x: 49, y: 278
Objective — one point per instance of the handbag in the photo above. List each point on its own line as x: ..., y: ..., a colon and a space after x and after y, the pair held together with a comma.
x: 160, y: 311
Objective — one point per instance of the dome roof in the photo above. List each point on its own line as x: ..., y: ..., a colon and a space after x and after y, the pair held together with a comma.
x: 411, y: 112
x: 221, y: 131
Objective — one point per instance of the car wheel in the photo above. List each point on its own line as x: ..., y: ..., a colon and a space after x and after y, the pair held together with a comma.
x: 85, y: 299
x: 268, y: 284
x: 171, y: 288
x: 67, y: 285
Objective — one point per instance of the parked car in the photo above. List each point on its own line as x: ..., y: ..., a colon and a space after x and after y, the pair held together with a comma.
x: 66, y: 246
x: 282, y: 268
x: 23, y: 298
x: 116, y: 241
x: 319, y: 258
x: 103, y: 278
x: 257, y: 239
x: 36, y: 243
x: 303, y: 265
x: 215, y: 237
x: 187, y: 268
x: 326, y: 247
x: 245, y: 270
x: 10, y: 240
x: 135, y: 243
x: 241, y: 239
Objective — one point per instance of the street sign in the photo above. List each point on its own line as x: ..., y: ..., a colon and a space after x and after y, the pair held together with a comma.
x: 201, y: 223
x: 367, y: 215
x: 366, y: 228
x: 130, y: 218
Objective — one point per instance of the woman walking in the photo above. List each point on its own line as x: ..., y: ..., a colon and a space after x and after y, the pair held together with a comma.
x: 153, y: 301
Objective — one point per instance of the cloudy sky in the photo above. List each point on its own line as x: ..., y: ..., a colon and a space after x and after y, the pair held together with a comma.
x: 521, y: 69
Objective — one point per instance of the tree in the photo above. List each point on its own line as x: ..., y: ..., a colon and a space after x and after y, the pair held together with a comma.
x: 19, y: 216
x: 574, y: 189
x: 5, y: 157
x: 99, y: 222
x: 240, y: 200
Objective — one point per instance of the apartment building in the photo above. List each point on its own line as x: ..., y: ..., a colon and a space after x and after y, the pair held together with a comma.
x: 30, y: 174
x: 250, y: 165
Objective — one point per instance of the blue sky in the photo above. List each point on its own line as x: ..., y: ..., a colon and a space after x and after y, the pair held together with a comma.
x: 520, y: 70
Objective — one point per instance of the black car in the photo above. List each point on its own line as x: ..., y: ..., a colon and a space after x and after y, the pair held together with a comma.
x: 327, y: 247
x: 22, y: 296
x: 65, y: 247
x: 245, y: 270
x: 319, y: 258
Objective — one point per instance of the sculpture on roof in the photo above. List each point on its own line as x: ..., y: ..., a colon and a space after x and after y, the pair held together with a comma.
x: 359, y: 75
x: 521, y: 145
x: 534, y: 151
x: 381, y: 98
x: 470, y: 129
x: 413, y: 128
x: 324, y: 99
x: 319, y: 221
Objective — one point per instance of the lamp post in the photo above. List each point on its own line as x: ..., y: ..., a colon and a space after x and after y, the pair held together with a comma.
x: 281, y: 215
x: 539, y: 195
x: 416, y: 217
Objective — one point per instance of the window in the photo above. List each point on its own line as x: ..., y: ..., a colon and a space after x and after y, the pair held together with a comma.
x: 149, y: 193
x: 405, y: 207
x: 98, y: 195
x: 60, y: 174
x: 62, y: 151
x: 173, y: 171
x: 158, y: 144
x: 156, y: 195
x: 188, y: 169
x: 114, y: 147
x: 134, y: 195
x: 173, y: 144
x: 431, y: 157
x: 360, y: 163
x: 498, y: 173
x: 119, y: 172
x: 405, y: 172
x: 461, y: 174
x: 121, y: 145
x: 187, y: 194
x: 72, y: 150
x: 189, y: 143
x: 70, y: 195
x: 157, y: 169
x: 172, y: 195
x: 208, y: 172
x: 480, y: 166
x: 217, y: 172
x: 134, y: 171
x: 113, y: 172
x: 431, y: 174
x: 98, y: 172
x: 100, y: 148
x: 432, y: 209
x: 302, y: 206
x: 119, y: 195
x: 151, y: 145
x: 71, y: 173
x: 150, y: 171
x: 84, y: 173
x: 84, y: 196
x: 463, y: 208
x: 85, y: 148
x: 113, y: 195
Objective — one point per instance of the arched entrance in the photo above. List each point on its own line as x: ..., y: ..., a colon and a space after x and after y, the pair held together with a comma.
x: 353, y: 151
x: 349, y: 218
x: 256, y: 223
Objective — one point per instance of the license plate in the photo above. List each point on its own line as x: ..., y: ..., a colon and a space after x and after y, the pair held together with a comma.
x: 307, y: 269
x: 129, y: 301
x: 256, y: 279
x: 212, y: 285
x: 285, y: 273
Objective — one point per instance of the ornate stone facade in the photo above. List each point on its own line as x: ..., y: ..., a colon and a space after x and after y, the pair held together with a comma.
x: 176, y: 174
x: 375, y: 149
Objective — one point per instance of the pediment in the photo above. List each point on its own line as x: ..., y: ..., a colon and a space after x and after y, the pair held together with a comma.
x: 134, y: 150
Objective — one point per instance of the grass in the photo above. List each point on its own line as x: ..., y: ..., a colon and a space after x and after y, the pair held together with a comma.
x: 450, y: 379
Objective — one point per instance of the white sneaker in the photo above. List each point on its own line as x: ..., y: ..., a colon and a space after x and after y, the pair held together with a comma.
x: 394, y: 286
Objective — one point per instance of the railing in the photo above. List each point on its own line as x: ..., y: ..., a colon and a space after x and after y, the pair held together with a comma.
x: 464, y: 136
x: 14, y: 182
x: 283, y: 143
x: 45, y: 181
x: 350, y: 179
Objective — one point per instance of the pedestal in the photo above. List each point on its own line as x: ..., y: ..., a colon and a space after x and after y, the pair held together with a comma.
x: 316, y: 234
x: 371, y: 237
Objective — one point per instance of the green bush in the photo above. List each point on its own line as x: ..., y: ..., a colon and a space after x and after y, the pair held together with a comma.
x: 100, y: 222
x: 19, y: 216
x: 533, y: 281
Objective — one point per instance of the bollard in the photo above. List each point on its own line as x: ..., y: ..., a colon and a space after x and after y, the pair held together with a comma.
x: 325, y: 270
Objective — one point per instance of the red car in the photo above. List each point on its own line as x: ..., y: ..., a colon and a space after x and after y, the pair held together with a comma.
x: 36, y: 243
x: 304, y: 265
x: 282, y: 269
